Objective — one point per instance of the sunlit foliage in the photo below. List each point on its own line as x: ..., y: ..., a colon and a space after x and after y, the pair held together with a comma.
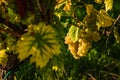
x: 59, y: 39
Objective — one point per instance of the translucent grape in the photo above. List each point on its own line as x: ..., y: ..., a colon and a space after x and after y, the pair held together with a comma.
x: 83, y: 48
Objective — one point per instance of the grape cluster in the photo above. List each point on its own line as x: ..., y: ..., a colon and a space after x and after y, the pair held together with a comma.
x: 73, y: 47
x: 83, y: 44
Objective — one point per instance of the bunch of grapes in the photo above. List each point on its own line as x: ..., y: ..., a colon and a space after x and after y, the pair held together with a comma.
x: 73, y: 47
x: 83, y: 44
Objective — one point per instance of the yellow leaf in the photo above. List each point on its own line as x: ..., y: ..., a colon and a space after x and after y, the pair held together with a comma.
x: 59, y: 3
x: 67, y: 5
x: 90, y: 9
x: 104, y: 20
x: 108, y: 4
x: 3, y: 57
x: 116, y: 35
x: 99, y: 1
x: 40, y: 42
x: 55, y: 68
x: 3, y: 1
x: 40, y: 61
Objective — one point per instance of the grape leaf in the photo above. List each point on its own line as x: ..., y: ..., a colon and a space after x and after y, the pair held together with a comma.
x: 104, y: 20
x: 59, y: 3
x: 90, y: 10
x: 3, y: 1
x: 99, y: 1
x: 73, y: 33
x: 40, y: 42
x: 108, y: 4
x: 3, y: 57
x: 116, y: 35
x: 67, y: 5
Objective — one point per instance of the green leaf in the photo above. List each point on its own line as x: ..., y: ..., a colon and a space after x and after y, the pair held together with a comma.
x: 80, y: 13
x: 73, y: 33
x: 40, y: 42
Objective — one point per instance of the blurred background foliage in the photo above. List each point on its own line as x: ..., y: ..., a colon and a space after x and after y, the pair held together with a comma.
x: 102, y: 61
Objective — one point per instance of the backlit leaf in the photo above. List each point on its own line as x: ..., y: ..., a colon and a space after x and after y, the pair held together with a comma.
x: 90, y: 9
x: 3, y: 57
x: 40, y: 42
x: 108, y: 4
x: 73, y: 33
x: 99, y: 1
x: 116, y: 35
x: 67, y: 5
x: 104, y: 20
x: 3, y: 1
x: 59, y: 3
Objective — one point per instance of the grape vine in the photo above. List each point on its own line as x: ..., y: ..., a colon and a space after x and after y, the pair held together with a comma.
x: 80, y: 38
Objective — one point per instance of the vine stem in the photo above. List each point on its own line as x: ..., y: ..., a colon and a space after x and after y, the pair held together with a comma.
x: 111, y: 30
x: 113, y: 74
x: 90, y: 76
x: 11, y: 32
x: 42, y: 9
x: 39, y: 6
